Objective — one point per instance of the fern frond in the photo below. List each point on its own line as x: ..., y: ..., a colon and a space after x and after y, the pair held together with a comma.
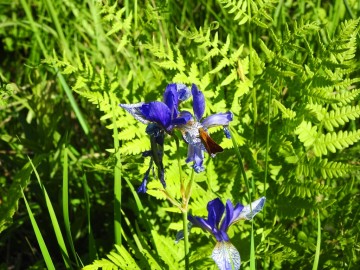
x: 340, y: 116
x: 119, y: 259
x: 323, y: 167
x: 302, y: 190
x: 136, y: 146
x: 335, y: 141
x: 306, y: 133
x: 286, y: 112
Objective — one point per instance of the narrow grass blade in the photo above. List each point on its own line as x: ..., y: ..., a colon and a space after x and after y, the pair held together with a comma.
x: 61, y: 78
x: 117, y: 181
x: 252, y: 247
x: 54, y: 221
x: 65, y: 201
x: 318, y: 244
x: 92, y: 245
x: 40, y: 239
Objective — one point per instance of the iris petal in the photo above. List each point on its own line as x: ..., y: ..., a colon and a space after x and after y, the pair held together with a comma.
x: 135, y: 110
x: 157, y: 112
x: 200, y: 222
x: 183, y: 92
x: 215, y: 211
x: 142, y: 187
x: 218, y: 119
x: 182, y: 119
x: 226, y: 256
x: 198, y: 102
x: 228, y: 216
x: 171, y: 99
x: 246, y: 212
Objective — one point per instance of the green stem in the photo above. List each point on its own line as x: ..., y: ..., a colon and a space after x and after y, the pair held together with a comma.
x: 117, y: 181
x: 186, y: 238
x: 242, y: 169
x: 251, y: 69
x: 179, y: 161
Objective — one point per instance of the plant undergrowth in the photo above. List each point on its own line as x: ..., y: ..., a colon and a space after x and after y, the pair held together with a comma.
x: 287, y: 70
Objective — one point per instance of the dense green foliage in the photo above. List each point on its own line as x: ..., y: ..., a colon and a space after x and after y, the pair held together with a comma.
x: 289, y: 72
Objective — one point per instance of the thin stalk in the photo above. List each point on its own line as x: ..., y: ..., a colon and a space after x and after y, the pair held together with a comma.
x: 179, y: 164
x: 239, y: 157
x: 65, y: 204
x: 267, y: 160
x: 318, y: 243
x: 251, y: 68
x: 186, y: 238
x: 91, y: 242
x: 117, y: 181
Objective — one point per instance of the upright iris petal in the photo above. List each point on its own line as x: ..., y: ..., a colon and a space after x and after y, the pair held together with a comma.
x: 198, y: 102
x: 225, y: 254
x: 171, y: 99
x: 194, y: 129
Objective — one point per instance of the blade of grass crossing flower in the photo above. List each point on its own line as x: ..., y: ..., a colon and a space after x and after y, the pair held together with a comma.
x: 117, y: 181
x: 318, y: 243
x: 39, y: 238
x: 241, y: 165
x: 63, y: 83
x: 54, y: 221
x: 65, y: 201
x: 91, y: 244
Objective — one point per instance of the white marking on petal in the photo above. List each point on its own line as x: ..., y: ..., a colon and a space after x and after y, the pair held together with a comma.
x: 256, y: 207
x: 226, y: 256
x: 134, y: 110
x: 190, y: 132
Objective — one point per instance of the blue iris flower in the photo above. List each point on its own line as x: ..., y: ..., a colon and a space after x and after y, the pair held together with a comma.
x: 159, y: 117
x: 225, y: 254
x: 194, y: 129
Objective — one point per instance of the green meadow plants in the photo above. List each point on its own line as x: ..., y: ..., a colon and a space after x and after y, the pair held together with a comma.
x: 149, y: 134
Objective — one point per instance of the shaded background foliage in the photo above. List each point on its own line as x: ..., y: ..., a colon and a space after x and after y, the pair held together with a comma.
x: 303, y: 68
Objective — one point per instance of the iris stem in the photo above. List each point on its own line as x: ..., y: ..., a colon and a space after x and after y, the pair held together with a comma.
x: 179, y: 164
x: 186, y: 239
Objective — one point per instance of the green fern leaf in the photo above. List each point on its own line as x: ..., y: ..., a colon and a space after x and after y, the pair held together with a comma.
x: 340, y: 116
x: 286, y: 112
x: 306, y: 133
x: 333, y: 141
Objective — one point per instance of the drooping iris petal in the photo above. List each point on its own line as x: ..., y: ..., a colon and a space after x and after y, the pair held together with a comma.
x: 155, y: 131
x: 142, y: 187
x: 218, y: 119
x: 199, y: 222
x: 227, y: 132
x: 171, y: 99
x: 246, y: 212
x: 226, y: 256
x: 198, y: 102
x: 157, y: 112
x: 182, y: 119
x: 134, y: 110
x: 196, y: 154
x: 183, y: 92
